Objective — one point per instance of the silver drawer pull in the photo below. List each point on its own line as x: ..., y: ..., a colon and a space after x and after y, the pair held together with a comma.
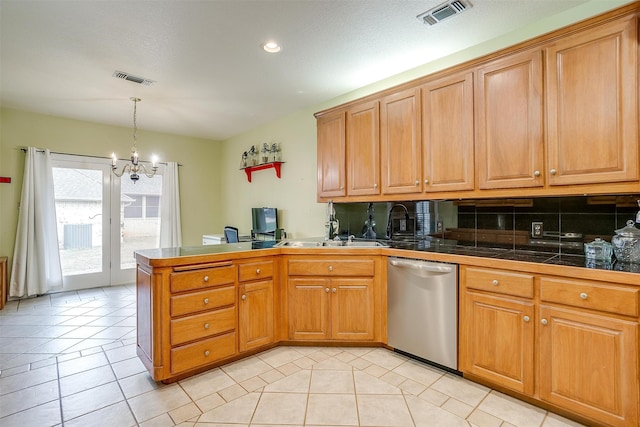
x: 495, y: 282
x: 330, y: 268
x: 326, y: 290
x: 584, y: 295
x: 258, y: 271
x: 206, y: 353
x: 544, y: 322
x: 526, y: 318
x: 244, y: 297
x: 206, y: 278
x: 206, y: 326
x: 335, y: 290
x: 206, y: 301
x: 536, y: 173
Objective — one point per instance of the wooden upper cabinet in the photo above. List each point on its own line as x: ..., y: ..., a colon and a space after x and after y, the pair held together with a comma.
x: 447, y: 133
x: 331, y: 155
x: 363, y: 149
x: 508, y: 111
x: 400, y: 142
x: 592, y: 113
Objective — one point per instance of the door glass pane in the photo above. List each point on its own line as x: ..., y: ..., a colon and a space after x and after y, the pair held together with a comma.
x: 78, y: 194
x: 139, y: 216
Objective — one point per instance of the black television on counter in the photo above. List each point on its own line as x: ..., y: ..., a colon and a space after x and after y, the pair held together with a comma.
x: 264, y: 221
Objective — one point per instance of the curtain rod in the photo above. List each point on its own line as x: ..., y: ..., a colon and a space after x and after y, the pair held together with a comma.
x: 24, y: 150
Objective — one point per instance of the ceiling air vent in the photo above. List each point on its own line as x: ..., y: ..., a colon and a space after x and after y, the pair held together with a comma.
x: 443, y: 11
x: 136, y: 79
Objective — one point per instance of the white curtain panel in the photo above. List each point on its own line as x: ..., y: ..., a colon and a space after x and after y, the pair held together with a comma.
x: 170, y: 225
x: 36, y: 266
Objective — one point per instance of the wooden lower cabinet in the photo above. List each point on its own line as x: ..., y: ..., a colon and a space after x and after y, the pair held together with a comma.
x: 343, y: 304
x: 308, y: 302
x: 589, y: 365
x: 256, y: 325
x: 570, y: 343
x: 497, y: 340
x: 337, y: 309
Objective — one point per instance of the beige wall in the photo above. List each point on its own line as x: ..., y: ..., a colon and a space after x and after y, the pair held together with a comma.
x: 295, y: 194
x: 199, y: 175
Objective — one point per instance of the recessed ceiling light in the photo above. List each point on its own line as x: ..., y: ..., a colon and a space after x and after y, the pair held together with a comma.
x: 271, y: 47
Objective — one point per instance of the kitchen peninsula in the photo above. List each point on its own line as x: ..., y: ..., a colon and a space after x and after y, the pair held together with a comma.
x: 205, y: 306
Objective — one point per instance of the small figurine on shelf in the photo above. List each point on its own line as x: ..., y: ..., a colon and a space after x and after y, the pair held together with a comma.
x: 253, y: 156
x: 277, y: 157
x: 273, y: 152
x: 265, y: 153
x: 243, y: 163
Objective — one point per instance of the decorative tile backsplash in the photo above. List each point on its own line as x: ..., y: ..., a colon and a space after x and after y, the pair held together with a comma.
x: 585, y: 216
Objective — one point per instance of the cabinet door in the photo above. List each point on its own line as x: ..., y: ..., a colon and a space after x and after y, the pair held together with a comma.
x: 592, y: 110
x: 256, y: 314
x: 447, y: 131
x: 352, y: 309
x: 589, y: 365
x: 308, y: 304
x: 331, y: 155
x: 497, y: 340
x: 508, y: 107
x: 400, y: 142
x: 363, y: 149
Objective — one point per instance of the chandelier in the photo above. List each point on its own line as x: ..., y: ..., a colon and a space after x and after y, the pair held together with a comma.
x: 134, y: 167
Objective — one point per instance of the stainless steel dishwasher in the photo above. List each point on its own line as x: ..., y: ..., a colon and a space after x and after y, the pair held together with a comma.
x: 422, y: 310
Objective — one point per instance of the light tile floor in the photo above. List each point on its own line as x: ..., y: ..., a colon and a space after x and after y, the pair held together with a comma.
x: 69, y: 359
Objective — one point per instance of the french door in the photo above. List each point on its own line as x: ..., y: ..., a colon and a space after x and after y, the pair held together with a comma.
x: 102, y: 220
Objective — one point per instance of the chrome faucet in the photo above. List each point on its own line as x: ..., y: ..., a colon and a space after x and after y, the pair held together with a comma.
x: 390, y: 223
x: 332, y: 223
x: 638, y: 214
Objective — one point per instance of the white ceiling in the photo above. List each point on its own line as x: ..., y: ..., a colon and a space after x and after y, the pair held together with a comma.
x: 213, y: 80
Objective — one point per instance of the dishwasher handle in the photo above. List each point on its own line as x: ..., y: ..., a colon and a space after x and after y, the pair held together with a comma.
x: 424, y: 266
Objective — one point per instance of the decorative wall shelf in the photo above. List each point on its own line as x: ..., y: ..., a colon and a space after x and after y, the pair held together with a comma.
x: 271, y: 165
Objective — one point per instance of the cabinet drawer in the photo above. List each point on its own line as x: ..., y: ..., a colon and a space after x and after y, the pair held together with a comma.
x: 203, y: 325
x: 205, y: 300
x: 255, y: 270
x: 203, y: 352
x: 203, y: 278
x: 602, y: 297
x: 331, y: 267
x: 499, y: 281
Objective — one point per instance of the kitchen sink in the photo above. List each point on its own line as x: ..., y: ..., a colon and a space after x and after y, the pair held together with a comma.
x: 330, y: 244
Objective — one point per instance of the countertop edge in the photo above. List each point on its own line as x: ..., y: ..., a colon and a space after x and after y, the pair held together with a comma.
x: 620, y: 277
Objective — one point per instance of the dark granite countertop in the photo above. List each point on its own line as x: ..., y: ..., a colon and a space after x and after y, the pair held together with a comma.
x: 543, y: 257
x: 441, y: 246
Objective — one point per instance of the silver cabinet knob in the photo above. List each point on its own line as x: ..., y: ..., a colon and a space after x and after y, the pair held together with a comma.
x: 584, y: 295
x: 342, y: 188
x: 206, y: 278
x: 243, y: 297
x: 375, y: 185
x: 330, y: 268
x: 334, y: 290
x: 553, y: 171
x: 536, y: 173
x: 206, y: 301
x: 258, y: 271
x: 544, y: 322
x: 326, y: 290
x: 495, y: 282
x: 526, y: 319
x: 206, y: 353
x: 426, y: 181
x: 206, y: 326
x: 417, y: 182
